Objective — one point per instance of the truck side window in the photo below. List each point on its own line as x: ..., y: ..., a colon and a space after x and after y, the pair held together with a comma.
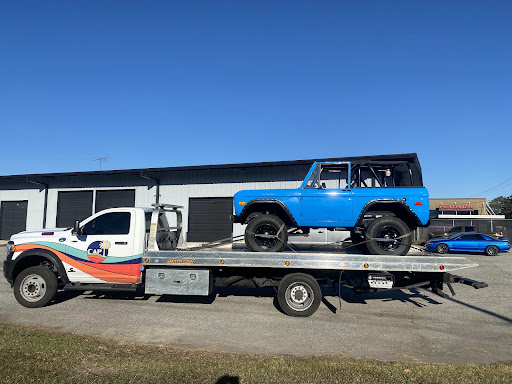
x: 113, y: 223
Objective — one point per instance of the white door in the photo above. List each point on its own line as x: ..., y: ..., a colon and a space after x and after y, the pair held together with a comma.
x: 102, y: 251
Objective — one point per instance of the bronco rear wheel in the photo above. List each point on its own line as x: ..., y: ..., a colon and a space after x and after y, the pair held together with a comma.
x: 388, y: 236
x: 266, y: 233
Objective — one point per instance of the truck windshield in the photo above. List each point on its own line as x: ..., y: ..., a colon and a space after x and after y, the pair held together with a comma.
x: 314, y: 179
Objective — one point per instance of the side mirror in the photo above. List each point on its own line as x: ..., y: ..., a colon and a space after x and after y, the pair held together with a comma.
x: 76, y: 227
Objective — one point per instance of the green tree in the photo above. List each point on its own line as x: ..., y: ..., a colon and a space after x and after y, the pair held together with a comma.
x: 502, y: 206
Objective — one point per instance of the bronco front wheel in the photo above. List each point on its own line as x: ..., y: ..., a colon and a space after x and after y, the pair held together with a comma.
x: 266, y: 233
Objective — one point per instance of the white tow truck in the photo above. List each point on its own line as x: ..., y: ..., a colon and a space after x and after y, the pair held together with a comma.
x: 136, y: 249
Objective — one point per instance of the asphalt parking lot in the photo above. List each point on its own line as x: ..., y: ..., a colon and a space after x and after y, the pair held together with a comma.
x: 475, y: 326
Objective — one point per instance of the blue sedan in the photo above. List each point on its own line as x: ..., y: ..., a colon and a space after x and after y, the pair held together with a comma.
x: 469, y: 242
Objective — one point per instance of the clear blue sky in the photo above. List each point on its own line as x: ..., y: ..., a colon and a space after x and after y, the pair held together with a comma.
x: 172, y: 83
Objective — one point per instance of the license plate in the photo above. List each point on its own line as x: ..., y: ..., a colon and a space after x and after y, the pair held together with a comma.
x: 380, y: 281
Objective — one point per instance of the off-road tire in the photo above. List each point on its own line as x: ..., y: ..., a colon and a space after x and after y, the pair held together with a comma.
x: 34, y: 287
x: 299, y: 295
x: 266, y: 225
x: 389, y: 228
x: 492, y: 250
x: 442, y: 248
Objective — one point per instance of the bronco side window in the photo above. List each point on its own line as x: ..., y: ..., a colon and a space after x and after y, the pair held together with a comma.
x: 113, y: 223
x: 328, y: 176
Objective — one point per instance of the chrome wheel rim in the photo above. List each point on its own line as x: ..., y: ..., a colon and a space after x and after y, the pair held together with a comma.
x: 33, y: 287
x: 299, y: 296
x: 442, y: 248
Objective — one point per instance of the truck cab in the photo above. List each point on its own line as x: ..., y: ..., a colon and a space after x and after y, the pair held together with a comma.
x: 106, y: 248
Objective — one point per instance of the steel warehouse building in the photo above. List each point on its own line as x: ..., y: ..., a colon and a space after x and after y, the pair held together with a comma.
x: 30, y: 202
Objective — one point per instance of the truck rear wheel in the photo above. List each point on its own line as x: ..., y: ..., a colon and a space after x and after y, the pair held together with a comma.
x: 35, y: 287
x: 388, y: 236
x: 299, y: 295
x: 266, y: 233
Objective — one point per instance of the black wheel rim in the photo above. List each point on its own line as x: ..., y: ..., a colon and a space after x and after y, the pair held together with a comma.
x: 265, y: 236
x: 389, y: 239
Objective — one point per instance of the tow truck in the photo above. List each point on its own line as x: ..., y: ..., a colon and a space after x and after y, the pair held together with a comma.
x: 142, y: 249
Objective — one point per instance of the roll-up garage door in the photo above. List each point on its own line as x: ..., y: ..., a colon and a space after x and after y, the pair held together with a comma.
x: 13, y: 218
x: 115, y: 199
x: 73, y: 205
x: 209, y: 219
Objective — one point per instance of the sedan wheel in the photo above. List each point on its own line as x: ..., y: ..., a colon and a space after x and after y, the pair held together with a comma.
x: 491, y: 250
x: 442, y: 248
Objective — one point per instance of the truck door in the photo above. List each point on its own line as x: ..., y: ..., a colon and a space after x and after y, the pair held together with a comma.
x: 103, y: 250
x: 326, y: 198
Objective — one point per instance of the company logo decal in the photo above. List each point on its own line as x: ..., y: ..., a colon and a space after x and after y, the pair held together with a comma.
x: 98, y: 251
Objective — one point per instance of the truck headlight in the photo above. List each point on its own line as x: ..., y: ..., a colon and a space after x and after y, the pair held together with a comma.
x: 11, y: 248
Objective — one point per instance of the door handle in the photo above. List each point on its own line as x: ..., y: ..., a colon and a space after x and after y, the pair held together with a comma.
x: 121, y: 243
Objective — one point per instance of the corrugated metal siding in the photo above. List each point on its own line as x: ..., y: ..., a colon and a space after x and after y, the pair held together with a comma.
x: 177, y: 187
x: 73, y: 205
x: 114, y: 199
x: 209, y: 219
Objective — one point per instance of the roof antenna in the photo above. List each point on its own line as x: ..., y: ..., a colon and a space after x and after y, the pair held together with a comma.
x: 100, y: 159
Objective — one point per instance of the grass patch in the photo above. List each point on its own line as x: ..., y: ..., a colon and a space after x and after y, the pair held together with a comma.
x: 33, y: 355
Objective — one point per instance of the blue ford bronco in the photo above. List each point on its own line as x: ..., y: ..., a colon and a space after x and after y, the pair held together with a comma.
x: 380, y: 200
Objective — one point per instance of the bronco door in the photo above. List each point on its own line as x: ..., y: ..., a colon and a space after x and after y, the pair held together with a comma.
x: 326, y: 197
x: 103, y: 250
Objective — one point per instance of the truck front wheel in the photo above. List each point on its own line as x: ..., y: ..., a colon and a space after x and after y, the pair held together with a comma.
x: 35, y: 287
x: 299, y: 295
x: 388, y: 236
x: 266, y: 233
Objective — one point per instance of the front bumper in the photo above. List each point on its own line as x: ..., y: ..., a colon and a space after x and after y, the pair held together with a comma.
x: 8, y: 268
x: 431, y: 248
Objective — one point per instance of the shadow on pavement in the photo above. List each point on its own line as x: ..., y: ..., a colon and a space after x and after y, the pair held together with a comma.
x: 413, y: 296
x: 490, y: 313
